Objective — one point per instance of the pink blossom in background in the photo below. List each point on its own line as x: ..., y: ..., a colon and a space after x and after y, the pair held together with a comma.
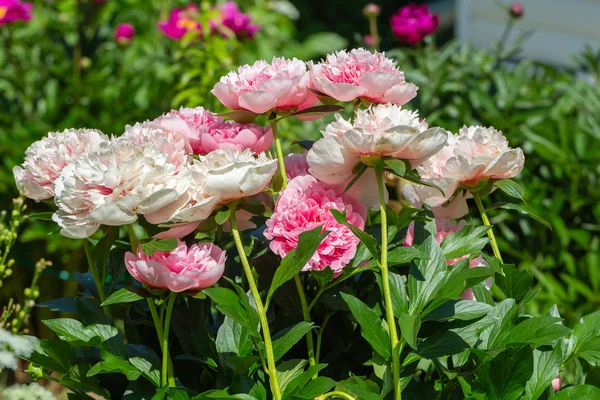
x: 236, y: 136
x: 369, y: 41
x: 232, y: 18
x: 14, y: 10
x: 183, y: 269
x: 304, y: 206
x: 181, y: 21
x: 413, y: 22
x: 124, y: 33
x: 190, y: 122
x: 295, y: 165
x: 360, y: 73
x: 261, y: 87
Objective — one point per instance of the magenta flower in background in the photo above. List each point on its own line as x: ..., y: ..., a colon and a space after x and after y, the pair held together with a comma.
x: 232, y: 18
x: 124, y: 33
x: 181, y: 21
x: 413, y: 22
x: 14, y: 10
x: 183, y: 269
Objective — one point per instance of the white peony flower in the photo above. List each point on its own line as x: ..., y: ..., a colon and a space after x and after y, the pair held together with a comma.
x: 46, y: 158
x: 111, y: 186
x: 233, y: 174
x: 475, y: 153
x: 383, y: 130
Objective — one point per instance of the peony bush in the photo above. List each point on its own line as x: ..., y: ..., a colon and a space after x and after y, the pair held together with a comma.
x: 220, y: 268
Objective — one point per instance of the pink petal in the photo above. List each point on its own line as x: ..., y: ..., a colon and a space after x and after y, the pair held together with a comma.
x: 258, y: 101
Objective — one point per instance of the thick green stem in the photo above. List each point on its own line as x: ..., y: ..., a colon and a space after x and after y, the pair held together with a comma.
x: 132, y: 239
x: 272, y: 370
x: 306, y: 315
x: 165, y: 378
x: 389, y: 312
x: 335, y: 393
x: 96, y: 275
x: 279, y: 153
x: 486, y: 221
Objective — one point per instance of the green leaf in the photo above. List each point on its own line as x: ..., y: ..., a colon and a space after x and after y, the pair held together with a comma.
x: 53, y: 354
x: 316, y: 387
x: 241, y: 116
x: 514, y: 284
x: 290, y: 338
x: 581, y: 392
x: 398, y: 293
x: 233, y: 337
x: 320, y: 109
x: 403, y: 255
x: 426, y: 276
x: 147, y: 369
x: 358, y: 171
x: 42, y: 216
x: 585, y: 340
x: 160, y: 245
x: 511, y: 188
x: 505, y: 376
x: 123, y: 295
x: 77, y: 380
x: 222, y: 216
x: 537, y: 330
x: 370, y: 325
x: 359, y: 388
x: 465, y: 242
x: 288, y: 370
x: 505, y: 314
x: 398, y: 166
x: 241, y: 365
x: 295, y: 260
x: 522, y: 210
x: 409, y: 328
x: 229, y: 304
x: 323, y: 277
x: 464, y: 310
x: 76, y: 333
x: 368, y: 240
x: 297, y: 383
x: 112, y: 364
x: 546, y: 365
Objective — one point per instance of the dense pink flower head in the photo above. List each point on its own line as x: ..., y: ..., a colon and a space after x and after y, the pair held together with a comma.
x: 305, y: 205
x: 183, y: 269
x: 413, y: 22
x: 181, y: 21
x: 124, y: 33
x: 277, y: 86
x: 189, y: 122
x: 236, y: 136
x: 295, y: 165
x: 14, y: 10
x: 46, y: 158
x: 232, y: 18
x: 359, y: 73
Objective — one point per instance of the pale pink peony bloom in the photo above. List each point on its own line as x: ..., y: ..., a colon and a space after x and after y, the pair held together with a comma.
x: 183, y: 269
x: 111, y: 186
x: 413, y: 22
x: 359, y: 73
x: 124, y: 33
x: 236, y: 136
x: 14, y: 10
x: 189, y: 122
x: 475, y: 153
x: 232, y: 175
x: 295, y: 165
x: 46, y: 158
x: 262, y: 87
x: 557, y: 383
x: 306, y: 205
x: 383, y: 130
x: 182, y: 21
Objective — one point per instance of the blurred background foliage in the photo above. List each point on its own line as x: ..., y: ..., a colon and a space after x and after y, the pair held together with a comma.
x: 64, y: 69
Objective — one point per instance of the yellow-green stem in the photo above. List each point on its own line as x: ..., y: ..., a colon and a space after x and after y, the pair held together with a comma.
x: 335, y: 393
x: 272, y: 370
x: 159, y: 333
x: 306, y: 315
x: 96, y: 275
x: 486, y: 221
x: 165, y: 342
x: 279, y: 152
x: 132, y: 238
x: 389, y: 312
x: 374, y: 33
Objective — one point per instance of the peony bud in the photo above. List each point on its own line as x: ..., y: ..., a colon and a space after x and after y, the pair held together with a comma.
x: 516, y: 10
x: 557, y: 383
x: 124, y: 33
x: 372, y: 10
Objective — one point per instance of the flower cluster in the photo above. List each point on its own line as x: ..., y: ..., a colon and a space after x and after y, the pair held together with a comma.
x: 13, y: 11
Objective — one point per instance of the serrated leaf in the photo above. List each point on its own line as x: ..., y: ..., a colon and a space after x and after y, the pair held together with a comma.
x: 511, y: 188
x: 283, y: 344
x: 160, y: 245
x: 123, y: 295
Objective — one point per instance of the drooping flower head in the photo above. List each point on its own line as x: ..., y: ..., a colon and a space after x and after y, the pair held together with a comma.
x: 306, y: 205
x: 233, y: 174
x: 474, y: 154
x: 183, y: 269
x: 411, y: 23
x: 46, y: 158
x: 233, y: 19
x: 383, y: 130
x: 359, y: 73
x: 14, y: 10
x: 111, y: 186
x: 181, y: 21
x: 124, y: 33
x: 261, y: 87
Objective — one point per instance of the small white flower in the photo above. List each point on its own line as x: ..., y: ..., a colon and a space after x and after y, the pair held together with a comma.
x: 11, y: 347
x: 46, y: 158
x: 33, y: 391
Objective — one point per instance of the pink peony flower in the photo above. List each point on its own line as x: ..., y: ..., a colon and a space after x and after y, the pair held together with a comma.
x: 236, y: 136
x: 14, y: 10
x: 124, y: 33
x: 295, y: 165
x: 475, y: 153
x: 46, y: 158
x: 383, y: 130
x: 557, y: 383
x: 359, y: 73
x: 233, y: 19
x: 262, y: 87
x: 183, y: 269
x: 181, y: 22
x: 516, y: 9
x: 305, y: 205
x: 413, y: 22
